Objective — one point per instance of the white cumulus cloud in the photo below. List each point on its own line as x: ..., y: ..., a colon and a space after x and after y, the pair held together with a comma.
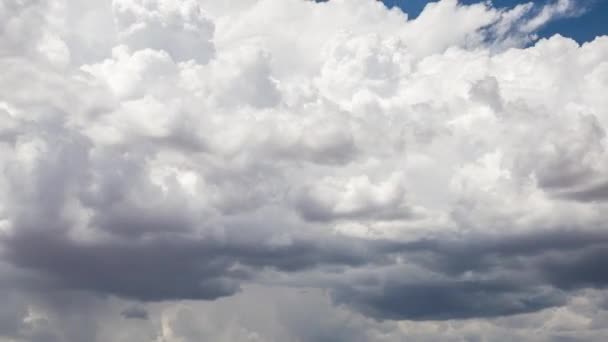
x: 234, y: 170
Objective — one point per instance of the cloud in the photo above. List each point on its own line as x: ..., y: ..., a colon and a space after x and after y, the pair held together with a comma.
x: 447, y: 169
x: 358, y: 198
x: 449, y: 300
x: 468, y: 277
x: 180, y: 28
x: 135, y: 313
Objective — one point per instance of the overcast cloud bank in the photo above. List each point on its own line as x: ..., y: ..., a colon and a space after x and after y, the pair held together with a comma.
x: 265, y: 170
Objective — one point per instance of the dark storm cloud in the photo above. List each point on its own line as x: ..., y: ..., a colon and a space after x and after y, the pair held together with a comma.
x: 172, y: 267
x: 135, y: 312
x: 595, y: 193
x: 146, y: 271
x: 448, y: 299
x: 465, y: 277
x: 583, y: 268
x: 456, y: 255
x: 474, y: 276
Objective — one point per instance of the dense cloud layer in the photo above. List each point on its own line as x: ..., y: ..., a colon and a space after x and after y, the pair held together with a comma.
x: 392, y: 175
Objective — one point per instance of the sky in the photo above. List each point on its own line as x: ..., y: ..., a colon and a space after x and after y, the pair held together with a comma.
x: 582, y: 27
x: 302, y: 171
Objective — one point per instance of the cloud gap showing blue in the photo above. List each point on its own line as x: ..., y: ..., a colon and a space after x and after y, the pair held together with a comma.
x: 583, y: 28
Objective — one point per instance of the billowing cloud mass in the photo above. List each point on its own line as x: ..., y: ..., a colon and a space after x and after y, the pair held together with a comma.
x: 290, y: 170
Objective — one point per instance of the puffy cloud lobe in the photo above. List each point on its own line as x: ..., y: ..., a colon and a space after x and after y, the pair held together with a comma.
x: 23, y: 35
x: 125, y: 72
x: 416, y: 169
x: 178, y: 27
x: 358, y: 198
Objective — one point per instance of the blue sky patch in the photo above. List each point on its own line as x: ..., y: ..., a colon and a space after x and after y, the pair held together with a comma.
x: 593, y: 22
